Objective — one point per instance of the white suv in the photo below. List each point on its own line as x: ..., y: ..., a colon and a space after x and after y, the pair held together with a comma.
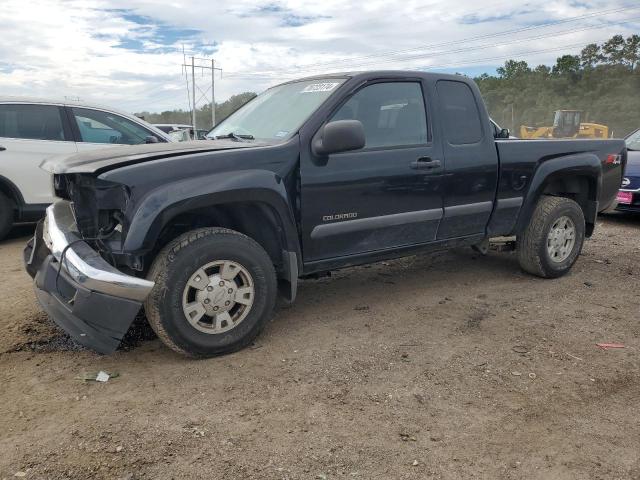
x: 32, y: 130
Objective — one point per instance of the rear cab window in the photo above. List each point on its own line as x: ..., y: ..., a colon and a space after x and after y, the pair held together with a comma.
x: 33, y: 122
x: 460, y: 113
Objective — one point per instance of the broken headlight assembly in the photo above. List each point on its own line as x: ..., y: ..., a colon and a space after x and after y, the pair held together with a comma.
x: 98, y: 207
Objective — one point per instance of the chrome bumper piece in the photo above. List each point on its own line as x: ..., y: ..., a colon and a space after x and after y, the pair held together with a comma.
x: 83, y: 264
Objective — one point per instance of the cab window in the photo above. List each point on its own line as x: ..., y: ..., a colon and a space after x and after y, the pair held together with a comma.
x: 460, y: 114
x: 31, y: 122
x: 96, y: 126
x: 392, y: 114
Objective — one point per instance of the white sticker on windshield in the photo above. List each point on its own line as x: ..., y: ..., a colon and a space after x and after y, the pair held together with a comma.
x: 320, y: 87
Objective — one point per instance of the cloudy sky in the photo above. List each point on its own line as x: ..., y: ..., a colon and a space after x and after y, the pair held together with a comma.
x: 128, y: 53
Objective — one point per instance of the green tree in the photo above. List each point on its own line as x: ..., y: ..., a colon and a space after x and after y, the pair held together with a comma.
x: 613, y: 49
x: 542, y: 70
x: 631, y: 51
x: 567, y: 65
x: 513, y: 69
x: 605, y: 86
x: 591, y: 55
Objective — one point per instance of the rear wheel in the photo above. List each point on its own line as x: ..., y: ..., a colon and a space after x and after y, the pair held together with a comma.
x: 214, y: 292
x: 552, y: 241
x: 6, y: 215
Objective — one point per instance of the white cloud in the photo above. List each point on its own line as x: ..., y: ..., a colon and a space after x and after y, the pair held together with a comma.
x: 127, y: 53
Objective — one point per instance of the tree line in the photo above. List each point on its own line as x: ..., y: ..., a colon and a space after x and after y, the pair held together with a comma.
x: 603, y: 81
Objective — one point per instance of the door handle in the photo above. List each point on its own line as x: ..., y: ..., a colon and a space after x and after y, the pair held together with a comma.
x: 2, y: 149
x: 425, y: 163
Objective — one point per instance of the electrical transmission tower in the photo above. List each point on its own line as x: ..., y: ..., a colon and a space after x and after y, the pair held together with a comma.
x: 198, y: 95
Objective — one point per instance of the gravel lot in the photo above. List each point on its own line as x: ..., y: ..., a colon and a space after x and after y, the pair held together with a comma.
x: 445, y: 366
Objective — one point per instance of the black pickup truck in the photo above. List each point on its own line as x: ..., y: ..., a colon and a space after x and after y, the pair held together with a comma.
x: 310, y: 176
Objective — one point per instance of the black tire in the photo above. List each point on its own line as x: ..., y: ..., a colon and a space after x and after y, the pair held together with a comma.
x: 533, y: 253
x: 6, y: 215
x: 171, y: 271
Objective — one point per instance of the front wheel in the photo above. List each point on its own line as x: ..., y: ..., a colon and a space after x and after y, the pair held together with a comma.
x: 214, y: 292
x: 551, y: 243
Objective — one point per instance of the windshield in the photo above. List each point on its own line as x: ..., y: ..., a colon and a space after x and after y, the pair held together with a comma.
x: 633, y: 141
x: 566, y: 119
x: 179, y: 135
x: 278, y: 112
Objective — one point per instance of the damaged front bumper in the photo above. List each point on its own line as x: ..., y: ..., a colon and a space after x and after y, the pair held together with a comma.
x: 93, y: 301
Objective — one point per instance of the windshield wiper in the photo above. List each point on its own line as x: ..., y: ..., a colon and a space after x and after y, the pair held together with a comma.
x: 235, y: 136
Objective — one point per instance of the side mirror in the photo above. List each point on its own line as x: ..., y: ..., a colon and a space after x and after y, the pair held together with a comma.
x: 504, y: 133
x: 151, y: 139
x: 338, y: 136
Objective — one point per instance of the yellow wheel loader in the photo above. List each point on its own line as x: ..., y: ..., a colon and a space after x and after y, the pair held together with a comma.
x: 566, y: 124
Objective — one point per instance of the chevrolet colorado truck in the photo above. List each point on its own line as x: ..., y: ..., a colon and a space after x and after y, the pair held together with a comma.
x: 310, y: 176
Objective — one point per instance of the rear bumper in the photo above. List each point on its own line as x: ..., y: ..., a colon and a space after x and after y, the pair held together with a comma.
x: 634, y: 206
x: 87, y: 297
x: 628, y: 208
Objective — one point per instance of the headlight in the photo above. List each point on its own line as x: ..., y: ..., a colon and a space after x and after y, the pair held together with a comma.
x: 98, y: 205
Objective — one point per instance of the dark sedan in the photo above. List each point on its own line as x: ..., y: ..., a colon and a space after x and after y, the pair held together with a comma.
x: 629, y: 194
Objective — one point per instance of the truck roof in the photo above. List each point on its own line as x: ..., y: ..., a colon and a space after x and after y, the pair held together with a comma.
x: 379, y: 73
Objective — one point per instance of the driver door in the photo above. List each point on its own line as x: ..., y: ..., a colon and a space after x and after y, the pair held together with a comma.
x: 384, y: 196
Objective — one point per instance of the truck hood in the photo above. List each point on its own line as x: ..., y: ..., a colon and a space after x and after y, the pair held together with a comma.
x: 98, y: 161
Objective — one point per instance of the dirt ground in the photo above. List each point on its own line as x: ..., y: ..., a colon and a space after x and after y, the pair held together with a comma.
x: 450, y: 366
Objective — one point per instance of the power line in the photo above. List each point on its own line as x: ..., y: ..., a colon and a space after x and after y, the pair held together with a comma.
x: 324, y: 66
x: 488, y: 59
x: 501, y: 58
x: 476, y: 38
x: 405, y: 55
x: 493, y: 45
x: 195, y: 86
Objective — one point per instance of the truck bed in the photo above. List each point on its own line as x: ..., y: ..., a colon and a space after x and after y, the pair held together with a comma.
x: 521, y: 158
